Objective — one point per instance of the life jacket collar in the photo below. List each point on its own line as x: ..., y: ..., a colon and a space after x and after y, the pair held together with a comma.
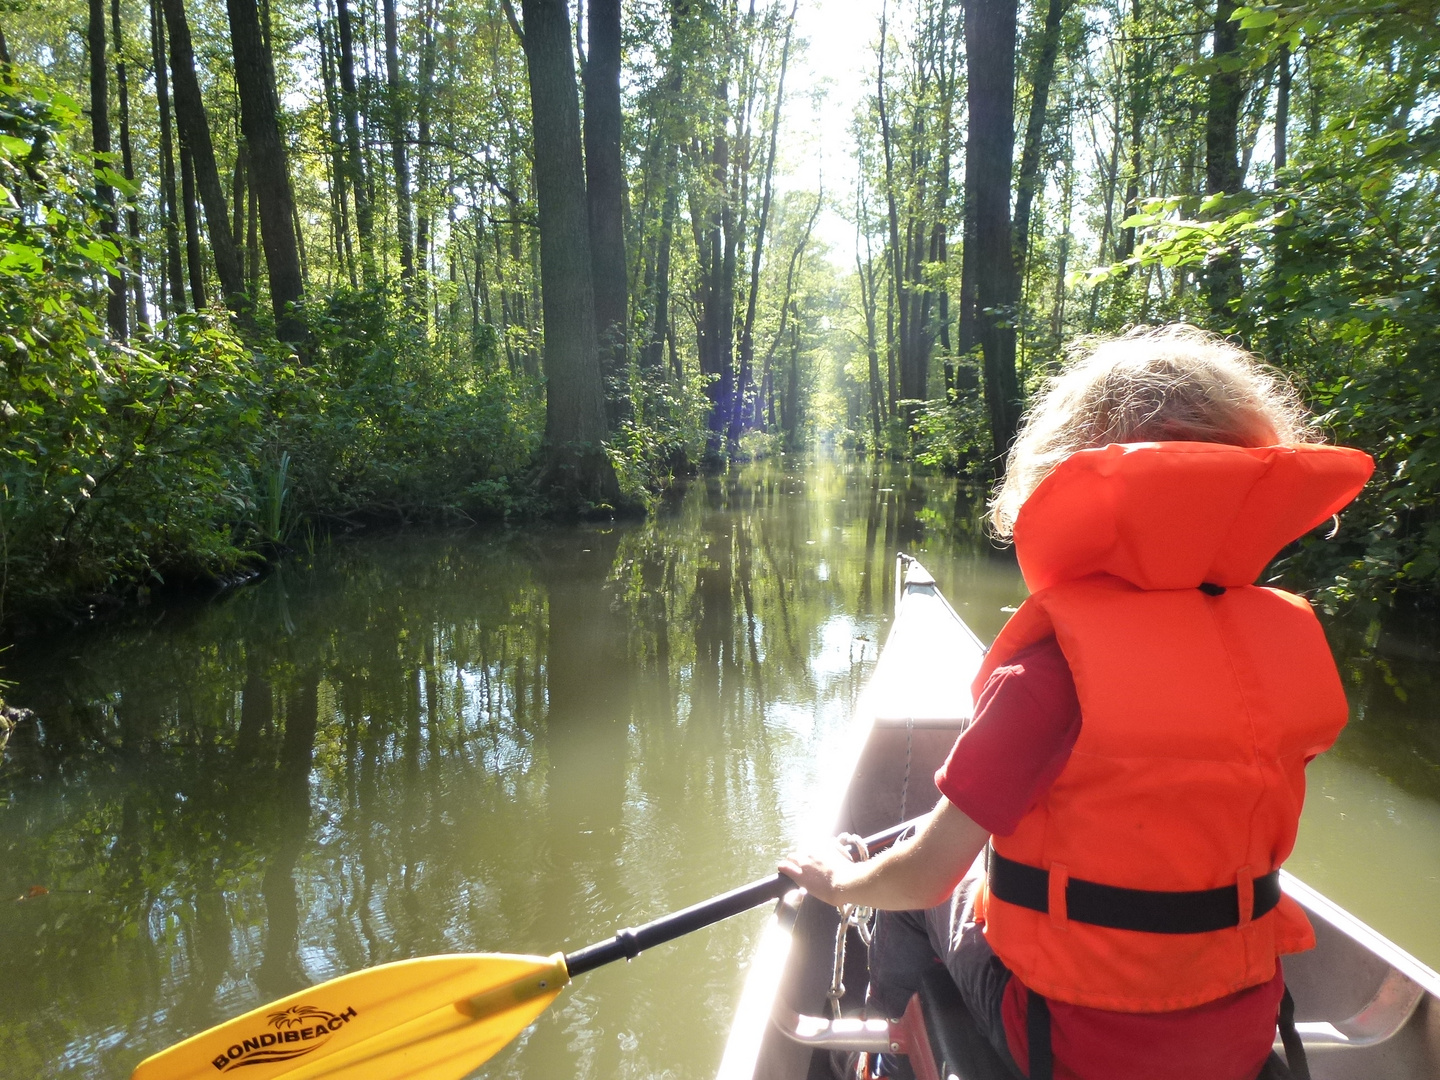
x: 1174, y: 515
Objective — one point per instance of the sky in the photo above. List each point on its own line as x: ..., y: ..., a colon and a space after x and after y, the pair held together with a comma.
x: 827, y: 81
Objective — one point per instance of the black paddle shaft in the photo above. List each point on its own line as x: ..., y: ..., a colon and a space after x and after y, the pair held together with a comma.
x: 629, y: 943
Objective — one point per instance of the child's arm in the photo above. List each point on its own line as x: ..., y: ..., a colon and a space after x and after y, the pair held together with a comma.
x: 918, y: 873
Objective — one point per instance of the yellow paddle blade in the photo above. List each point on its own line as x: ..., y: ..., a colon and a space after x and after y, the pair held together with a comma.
x: 434, y: 1018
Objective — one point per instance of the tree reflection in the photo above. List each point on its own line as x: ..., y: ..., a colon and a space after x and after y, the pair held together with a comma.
x: 422, y: 743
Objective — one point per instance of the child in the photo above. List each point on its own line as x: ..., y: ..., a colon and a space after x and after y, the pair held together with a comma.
x: 1136, y: 760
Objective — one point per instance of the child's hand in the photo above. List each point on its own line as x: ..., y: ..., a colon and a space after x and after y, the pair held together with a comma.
x: 824, y: 872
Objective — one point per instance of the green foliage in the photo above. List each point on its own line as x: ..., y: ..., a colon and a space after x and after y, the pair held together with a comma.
x: 381, y: 421
x: 954, y: 434
x: 1390, y: 539
x: 117, y: 460
x: 1342, y: 290
x: 663, y: 434
x: 184, y: 451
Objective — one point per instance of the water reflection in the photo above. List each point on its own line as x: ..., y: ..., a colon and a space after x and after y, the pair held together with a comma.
x: 1370, y: 837
x: 495, y: 741
x: 477, y: 741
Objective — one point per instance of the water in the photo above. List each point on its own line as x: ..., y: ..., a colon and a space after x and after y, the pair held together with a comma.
x: 521, y: 741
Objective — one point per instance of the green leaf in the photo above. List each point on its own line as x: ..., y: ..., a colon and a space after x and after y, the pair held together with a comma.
x: 20, y: 258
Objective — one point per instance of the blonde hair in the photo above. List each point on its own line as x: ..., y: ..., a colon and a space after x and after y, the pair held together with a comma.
x: 1155, y: 384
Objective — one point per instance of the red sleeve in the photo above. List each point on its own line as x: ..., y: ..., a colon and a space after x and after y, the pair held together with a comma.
x: 1026, y: 722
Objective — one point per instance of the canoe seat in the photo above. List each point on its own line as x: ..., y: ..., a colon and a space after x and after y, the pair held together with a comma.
x: 960, y: 1046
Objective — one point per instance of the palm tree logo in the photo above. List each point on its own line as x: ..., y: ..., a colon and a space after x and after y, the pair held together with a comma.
x: 298, y: 1016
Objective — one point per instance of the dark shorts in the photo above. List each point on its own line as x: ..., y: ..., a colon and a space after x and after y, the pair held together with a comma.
x: 908, y: 943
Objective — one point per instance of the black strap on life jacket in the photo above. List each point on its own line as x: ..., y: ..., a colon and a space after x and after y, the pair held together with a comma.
x: 1150, y: 911
x: 1037, y: 1030
x: 1290, y: 1038
x: 1037, y: 1033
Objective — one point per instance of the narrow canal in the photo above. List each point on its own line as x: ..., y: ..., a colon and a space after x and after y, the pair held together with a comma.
x: 520, y: 741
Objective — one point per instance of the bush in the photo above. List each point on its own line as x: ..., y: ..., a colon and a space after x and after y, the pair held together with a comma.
x: 185, y: 451
x: 382, y: 422
x: 118, y: 460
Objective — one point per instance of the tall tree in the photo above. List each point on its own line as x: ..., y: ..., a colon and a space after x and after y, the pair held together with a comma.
x: 990, y: 56
x: 338, y: 176
x: 789, y: 319
x: 194, y: 256
x: 197, y: 148
x: 127, y: 165
x: 115, y: 312
x: 714, y: 221
x: 398, y: 113
x: 663, y: 177
x: 1028, y: 180
x: 1137, y: 78
x: 605, y: 185
x: 757, y: 245
x: 424, y: 209
x: 354, y: 151
x: 574, y: 393
x: 168, y: 209
x: 269, y: 167
x: 1222, y: 162
x: 916, y: 123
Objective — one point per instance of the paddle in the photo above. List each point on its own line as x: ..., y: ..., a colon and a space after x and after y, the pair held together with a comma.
x: 432, y: 1018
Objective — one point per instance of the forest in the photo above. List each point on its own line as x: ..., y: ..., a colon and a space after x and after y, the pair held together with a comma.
x: 275, y: 267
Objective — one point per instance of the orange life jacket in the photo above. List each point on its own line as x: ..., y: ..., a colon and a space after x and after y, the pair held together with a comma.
x: 1199, y: 710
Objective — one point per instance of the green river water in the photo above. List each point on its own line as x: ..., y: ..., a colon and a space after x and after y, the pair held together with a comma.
x: 521, y: 741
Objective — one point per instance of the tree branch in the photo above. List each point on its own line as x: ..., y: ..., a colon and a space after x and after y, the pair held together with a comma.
x: 514, y: 22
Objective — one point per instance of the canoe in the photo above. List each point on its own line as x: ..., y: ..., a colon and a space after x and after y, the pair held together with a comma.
x: 1365, y: 1008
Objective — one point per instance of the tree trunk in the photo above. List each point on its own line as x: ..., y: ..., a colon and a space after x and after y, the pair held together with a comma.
x: 1111, y: 179
x: 115, y: 311
x: 1137, y: 73
x: 195, y: 142
x: 892, y: 381
x: 1029, y: 179
x: 168, y: 209
x: 898, y: 254
x: 194, y: 257
x: 788, y: 317
x: 1282, y: 110
x: 654, y: 355
x: 967, y: 332
x: 269, y: 168
x: 252, y: 231
x: 422, y: 153
x: 1222, y: 165
x: 574, y: 394
x: 338, y: 175
x: 605, y: 188
x: 354, y: 154
x: 872, y: 352
x: 712, y: 218
x: 399, y: 116
x: 790, y: 405
x: 1279, y: 270
x: 990, y: 50
x: 1067, y: 209
x: 747, y: 333
x: 127, y: 160
x: 239, y: 194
